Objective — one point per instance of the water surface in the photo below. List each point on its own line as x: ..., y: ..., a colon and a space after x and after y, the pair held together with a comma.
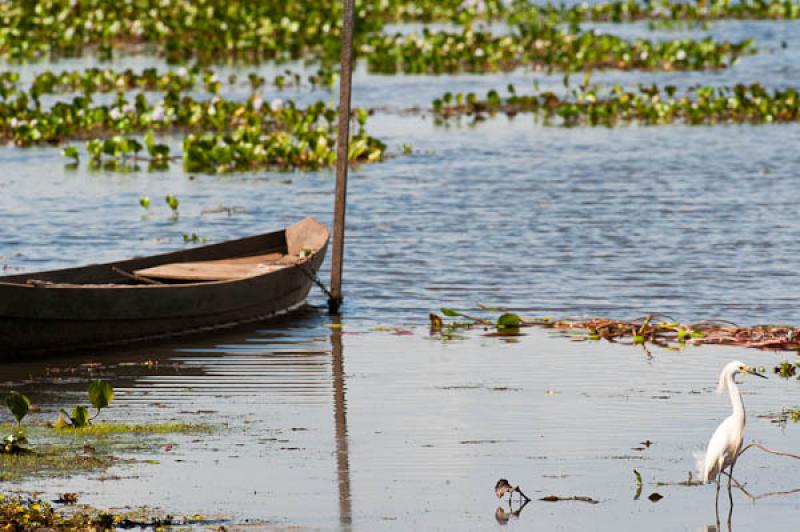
x: 370, y: 430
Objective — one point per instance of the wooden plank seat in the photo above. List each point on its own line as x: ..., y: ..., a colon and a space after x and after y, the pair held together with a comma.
x: 219, y: 270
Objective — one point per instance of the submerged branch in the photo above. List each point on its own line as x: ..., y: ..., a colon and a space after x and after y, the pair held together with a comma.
x: 768, y: 450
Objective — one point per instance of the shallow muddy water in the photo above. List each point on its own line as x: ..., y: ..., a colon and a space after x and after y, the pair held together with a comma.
x: 370, y: 430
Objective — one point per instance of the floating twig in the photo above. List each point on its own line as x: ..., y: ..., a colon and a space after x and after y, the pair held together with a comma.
x: 581, y: 498
x: 768, y: 450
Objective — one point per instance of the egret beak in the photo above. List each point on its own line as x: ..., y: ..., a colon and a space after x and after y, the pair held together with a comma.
x: 752, y: 371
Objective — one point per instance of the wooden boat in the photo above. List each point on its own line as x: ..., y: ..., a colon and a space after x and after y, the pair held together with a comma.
x: 146, y: 298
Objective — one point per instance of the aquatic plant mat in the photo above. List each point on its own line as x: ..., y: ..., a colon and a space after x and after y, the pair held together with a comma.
x: 60, y: 452
x: 653, y: 328
x: 27, y: 512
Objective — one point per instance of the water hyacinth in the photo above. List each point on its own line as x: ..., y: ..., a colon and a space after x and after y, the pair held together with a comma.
x: 97, y: 80
x: 251, y: 149
x: 24, y: 121
x: 214, y: 31
x: 243, y: 149
x: 631, y: 10
x: 278, y: 136
x: 463, y: 11
x: 542, y: 47
x: 208, y: 30
x: 650, y: 105
x: 92, y: 80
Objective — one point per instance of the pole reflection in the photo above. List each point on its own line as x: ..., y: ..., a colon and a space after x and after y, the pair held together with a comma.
x: 340, y: 420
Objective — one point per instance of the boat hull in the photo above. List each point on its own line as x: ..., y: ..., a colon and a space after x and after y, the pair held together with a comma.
x: 85, y: 308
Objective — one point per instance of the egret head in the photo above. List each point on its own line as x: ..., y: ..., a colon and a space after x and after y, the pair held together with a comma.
x: 731, y: 370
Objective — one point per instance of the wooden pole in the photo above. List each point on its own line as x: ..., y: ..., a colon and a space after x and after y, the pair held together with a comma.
x: 342, y: 162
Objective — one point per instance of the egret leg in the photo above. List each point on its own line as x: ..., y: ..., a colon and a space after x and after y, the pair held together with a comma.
x: 716, y: 502
x: 730, y: 517
x: 730, y: 479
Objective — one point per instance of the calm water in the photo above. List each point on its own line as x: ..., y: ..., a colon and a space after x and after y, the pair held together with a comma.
x: 371, y: 430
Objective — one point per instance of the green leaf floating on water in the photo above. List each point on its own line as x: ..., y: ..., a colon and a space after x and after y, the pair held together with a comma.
x: 100, y: 394
x: 18, y: 404
x: 71, y: 152
x: 361, y: 116
x: 80, y: 417
x: 509, y: 320
x: 173, y: 202
x: 149, y: 142
x: 450, y: 312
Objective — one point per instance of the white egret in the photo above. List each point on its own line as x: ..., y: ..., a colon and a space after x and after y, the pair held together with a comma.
x: 726, y: 442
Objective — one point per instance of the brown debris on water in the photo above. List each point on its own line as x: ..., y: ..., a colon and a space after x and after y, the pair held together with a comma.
x: 580, y: 498
x: 653, y: 329
x: 670, y: 334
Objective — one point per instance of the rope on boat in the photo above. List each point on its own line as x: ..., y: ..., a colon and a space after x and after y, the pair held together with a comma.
x: 315, y: 279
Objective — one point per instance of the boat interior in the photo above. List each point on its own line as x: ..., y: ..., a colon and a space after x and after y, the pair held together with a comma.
x: 227, y: 261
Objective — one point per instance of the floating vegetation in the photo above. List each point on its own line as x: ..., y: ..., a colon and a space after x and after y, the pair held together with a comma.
x: 97, y: 80
x: 786, y: 369
x: 252, y: 149
x: 208, y: 31
x: 24, y: 121
x: 101, y: 394
x: 542, y: 47
x: 27, y: 513
x: 459, y: 11
x: 651, y: 329
x: 19, y: 405
x: 92, y: 80
x: 632, y: 10
x: 241, y: 150
x: 215, y: 31
x: 649, y: 105
x: 64, y: 447
x: 100, y: 429
x: 783, y: 417
x: 194, y: 238
x: 237, y: 135
x: 64, y: 450
x: 52, y: 460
